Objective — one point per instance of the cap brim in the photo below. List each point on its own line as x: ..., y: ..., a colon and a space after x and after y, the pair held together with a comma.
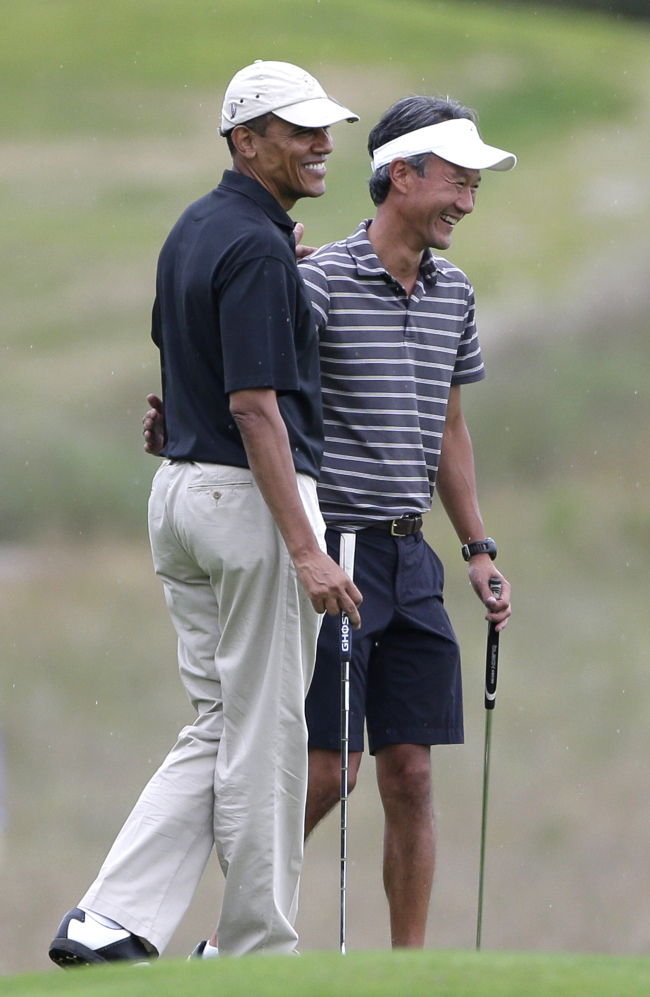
x: 319, y: 112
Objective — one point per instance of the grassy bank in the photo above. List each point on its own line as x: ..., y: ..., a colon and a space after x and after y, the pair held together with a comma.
x: 108, y: 128
x: 366, y: 974
x: 108, y: 122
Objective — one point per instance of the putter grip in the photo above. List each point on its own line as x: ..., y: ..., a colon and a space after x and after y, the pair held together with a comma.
x: 492, y: 654
x: 346, y: 562
x: 346, y: 553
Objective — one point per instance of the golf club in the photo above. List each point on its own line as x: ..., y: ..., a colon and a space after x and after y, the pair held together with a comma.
x: 346, y: 561
x: 491, y: 667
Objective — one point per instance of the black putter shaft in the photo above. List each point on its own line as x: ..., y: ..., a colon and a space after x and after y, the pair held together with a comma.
x: 491, y: 672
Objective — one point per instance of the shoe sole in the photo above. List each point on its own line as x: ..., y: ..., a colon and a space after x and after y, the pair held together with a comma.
x: 67, y: 954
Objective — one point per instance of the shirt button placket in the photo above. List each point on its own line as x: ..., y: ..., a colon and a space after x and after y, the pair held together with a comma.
x: 408, y: 334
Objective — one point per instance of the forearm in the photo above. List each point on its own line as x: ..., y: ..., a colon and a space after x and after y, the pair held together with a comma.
x: 456, y: 481
x: 266, y: 441
x: 456, y: 485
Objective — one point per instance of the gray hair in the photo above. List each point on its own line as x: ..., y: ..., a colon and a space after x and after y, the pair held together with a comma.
x: 257, y: 125
x: 407, y: 115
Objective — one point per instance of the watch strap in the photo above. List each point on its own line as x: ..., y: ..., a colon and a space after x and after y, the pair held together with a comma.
x: 486, y: 546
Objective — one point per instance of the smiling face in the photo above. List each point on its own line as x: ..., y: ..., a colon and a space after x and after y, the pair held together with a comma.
x: 288, y: 160
x: 437, y: 201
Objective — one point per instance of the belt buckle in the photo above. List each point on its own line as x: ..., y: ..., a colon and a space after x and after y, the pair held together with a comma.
x: 408, y: 526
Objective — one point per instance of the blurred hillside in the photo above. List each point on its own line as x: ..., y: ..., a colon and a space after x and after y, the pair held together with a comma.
x: 109, y: 120
x: 621, y: 8
x: 108, y: 128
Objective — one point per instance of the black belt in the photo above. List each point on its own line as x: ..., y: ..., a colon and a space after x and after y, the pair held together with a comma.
x: 405, y: 526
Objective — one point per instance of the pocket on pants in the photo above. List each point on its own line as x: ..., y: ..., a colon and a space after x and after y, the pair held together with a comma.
x: 217, y: 490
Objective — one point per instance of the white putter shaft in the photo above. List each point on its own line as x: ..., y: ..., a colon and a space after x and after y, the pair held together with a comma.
x: 346, y: 561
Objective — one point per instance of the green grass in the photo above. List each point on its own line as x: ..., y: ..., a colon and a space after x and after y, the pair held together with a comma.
x: 79, y: 66
x: 108, y: 128
x: 109, y: 117
x: 359, y: 974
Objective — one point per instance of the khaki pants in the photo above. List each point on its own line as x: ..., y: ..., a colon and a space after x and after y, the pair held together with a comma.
x: 237, y: 777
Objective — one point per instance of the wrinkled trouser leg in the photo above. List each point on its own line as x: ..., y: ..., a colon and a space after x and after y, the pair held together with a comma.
x: 236, y: 777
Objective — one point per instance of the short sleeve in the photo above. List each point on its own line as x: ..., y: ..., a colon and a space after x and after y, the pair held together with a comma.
x: 469, y: 361
x: 318, y: 290
x: 257, y: 309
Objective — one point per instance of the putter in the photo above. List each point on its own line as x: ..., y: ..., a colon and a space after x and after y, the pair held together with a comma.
x: 346, y: 561
x: 491, y: 667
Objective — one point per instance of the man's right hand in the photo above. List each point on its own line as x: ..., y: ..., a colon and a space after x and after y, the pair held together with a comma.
x: 154, y: 427
x: 265, y: 438
x: 327, y: 585
x: 329, y: 589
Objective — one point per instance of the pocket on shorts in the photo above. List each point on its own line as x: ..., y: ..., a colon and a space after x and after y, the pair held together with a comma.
x: 421, y: 575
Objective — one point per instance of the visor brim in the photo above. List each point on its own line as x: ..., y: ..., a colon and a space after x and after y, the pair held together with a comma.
x: 481, y: 157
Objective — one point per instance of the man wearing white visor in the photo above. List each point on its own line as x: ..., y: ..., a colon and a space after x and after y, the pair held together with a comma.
x: 398, y: 341
x: 238, y: 541
x: 457, y: 140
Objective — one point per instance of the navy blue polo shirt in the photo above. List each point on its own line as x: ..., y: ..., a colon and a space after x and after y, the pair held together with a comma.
x: 231, y: 313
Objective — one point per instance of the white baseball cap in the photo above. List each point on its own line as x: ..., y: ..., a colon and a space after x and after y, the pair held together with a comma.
x: 287, y: 90
x: 456, y: 140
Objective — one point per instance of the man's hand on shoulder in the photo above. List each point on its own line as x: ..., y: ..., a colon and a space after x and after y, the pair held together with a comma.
x: 301, y: 251
x: 153, y: 425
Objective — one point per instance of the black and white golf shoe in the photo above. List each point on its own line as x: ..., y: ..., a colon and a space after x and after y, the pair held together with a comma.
x: 82, y: 941
x: 204, y: 950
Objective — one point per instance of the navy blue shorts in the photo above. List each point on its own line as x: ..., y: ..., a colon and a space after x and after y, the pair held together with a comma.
x: 405, y: 677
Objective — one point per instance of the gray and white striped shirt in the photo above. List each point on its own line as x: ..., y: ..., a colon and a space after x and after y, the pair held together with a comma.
x: 387, y: 364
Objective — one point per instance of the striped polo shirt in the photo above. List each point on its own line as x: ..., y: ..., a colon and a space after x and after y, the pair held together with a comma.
x: 387, y: 364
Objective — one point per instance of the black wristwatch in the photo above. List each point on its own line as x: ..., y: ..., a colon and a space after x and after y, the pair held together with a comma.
x: 487, y: 546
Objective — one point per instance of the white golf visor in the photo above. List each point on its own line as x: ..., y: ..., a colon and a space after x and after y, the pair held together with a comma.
x: 457, y: 141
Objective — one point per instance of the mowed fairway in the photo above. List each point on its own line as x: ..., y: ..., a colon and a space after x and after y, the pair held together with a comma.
x: 362, y: 974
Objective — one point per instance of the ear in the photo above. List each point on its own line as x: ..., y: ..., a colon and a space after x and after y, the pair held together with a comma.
x: 401, y: 175
x: 243, y: 139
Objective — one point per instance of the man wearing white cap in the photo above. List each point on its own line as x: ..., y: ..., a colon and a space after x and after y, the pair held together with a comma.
x: 397, y: 342
x: 237, y: 539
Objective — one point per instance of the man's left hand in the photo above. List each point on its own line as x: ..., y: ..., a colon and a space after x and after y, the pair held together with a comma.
x: 301, y: 251
x: 154, y: 426
x: 481, y: 570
